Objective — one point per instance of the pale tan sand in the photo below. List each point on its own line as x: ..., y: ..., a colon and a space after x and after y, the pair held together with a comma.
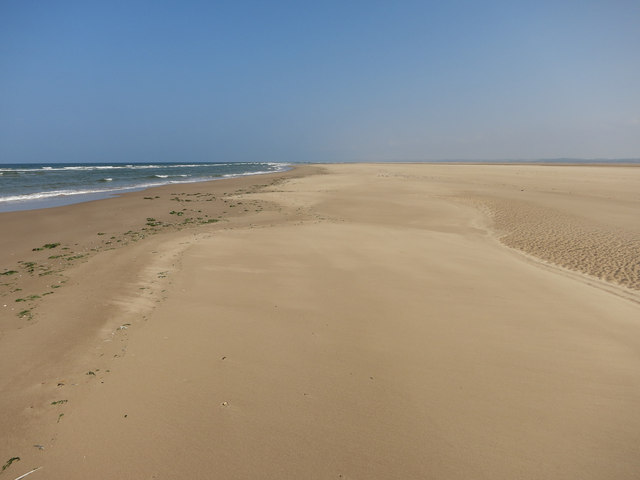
x: 367, y: 323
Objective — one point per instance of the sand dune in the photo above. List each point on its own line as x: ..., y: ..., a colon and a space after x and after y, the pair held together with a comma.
x: 371, y: 321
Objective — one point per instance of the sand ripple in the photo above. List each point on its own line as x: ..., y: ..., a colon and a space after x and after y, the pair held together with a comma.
x: 608, y: 253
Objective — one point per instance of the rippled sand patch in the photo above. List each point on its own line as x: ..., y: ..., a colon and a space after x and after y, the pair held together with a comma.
x: 608, y: 253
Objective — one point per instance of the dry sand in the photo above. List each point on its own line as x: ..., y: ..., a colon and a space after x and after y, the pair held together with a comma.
x: 343, y: 321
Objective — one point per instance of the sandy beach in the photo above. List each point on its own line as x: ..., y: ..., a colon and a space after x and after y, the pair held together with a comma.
x: 350, y: 321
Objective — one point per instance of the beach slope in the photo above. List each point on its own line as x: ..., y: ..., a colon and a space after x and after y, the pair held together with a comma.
x: 359, y: 321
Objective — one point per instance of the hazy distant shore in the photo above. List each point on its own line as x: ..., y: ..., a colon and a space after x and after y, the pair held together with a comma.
x: 546, y: 161
x: 27, y: 186
x: 383, y: 320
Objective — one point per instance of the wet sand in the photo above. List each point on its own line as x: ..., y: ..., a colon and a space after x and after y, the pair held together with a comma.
x: 339, y: 321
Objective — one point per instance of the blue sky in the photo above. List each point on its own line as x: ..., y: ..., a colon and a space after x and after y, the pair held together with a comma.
x: 318, y: 81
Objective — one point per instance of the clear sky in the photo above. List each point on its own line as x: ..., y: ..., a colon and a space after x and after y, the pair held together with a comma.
x: 318, y: 80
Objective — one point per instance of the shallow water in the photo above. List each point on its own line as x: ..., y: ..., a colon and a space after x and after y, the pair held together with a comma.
x: 31, y: 186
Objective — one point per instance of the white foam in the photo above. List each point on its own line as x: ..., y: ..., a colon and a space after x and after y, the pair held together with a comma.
x: 50, y: 194
x: 139, y: 167
x: 233, y: 175
x: 162, y: 180
x: 66, y: 193
x: 107, y: 167
x: 281, y: 167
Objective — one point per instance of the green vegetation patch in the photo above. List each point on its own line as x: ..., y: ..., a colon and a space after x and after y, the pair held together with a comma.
x: 9, y: 272
x: 26, y: 299
x: 9, y: 462
x: 46, y: 246
x: 59, y: 402
x: 30, y: 266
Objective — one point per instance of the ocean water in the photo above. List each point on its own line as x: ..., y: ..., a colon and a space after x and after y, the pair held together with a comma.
x: 44, y: 185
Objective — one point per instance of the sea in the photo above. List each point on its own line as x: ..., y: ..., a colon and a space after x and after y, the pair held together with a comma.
x: 45, y: 185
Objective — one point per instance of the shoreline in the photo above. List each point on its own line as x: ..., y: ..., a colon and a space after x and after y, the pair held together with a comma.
x: 331, y: 320
x: 64, y: 199
x: 120, y: 202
